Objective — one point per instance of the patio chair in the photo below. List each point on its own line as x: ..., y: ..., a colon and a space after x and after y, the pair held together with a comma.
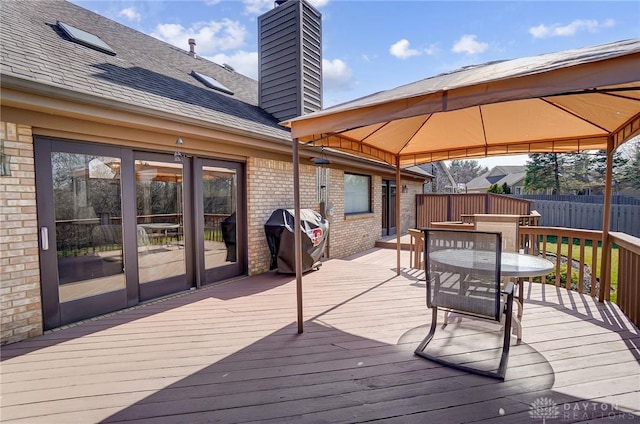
x: 508, y: 226
x: 463, y: 278
x: 416, y: 246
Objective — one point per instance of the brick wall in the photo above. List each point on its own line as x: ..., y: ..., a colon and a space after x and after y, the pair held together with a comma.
x: 353, y: 233
x: 408, y: 204
x: 270, y: 187
x: 20, y: 301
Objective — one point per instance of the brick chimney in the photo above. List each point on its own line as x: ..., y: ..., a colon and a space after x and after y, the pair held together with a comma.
x: 290, y: 59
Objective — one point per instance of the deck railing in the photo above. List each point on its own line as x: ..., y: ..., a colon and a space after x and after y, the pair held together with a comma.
x: 584, y: 247
x: 628, y: 275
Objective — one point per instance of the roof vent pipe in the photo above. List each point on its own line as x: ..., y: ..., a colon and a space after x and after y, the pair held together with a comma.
x: 192, y: 47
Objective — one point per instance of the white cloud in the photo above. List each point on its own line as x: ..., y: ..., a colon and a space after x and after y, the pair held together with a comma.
x: 469, y: 45
x: 336, y: 75
x: 432, y: 50
x: 212, y: 2
x: 318, y: 4
x: 258, y: 7
x: 557, y: 30
x: 401, y: 50
x: 131, y: 14
x: 211, y: 37
x: 245, y: 63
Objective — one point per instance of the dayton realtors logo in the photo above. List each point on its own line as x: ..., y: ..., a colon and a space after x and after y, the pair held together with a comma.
x: 545, y: 408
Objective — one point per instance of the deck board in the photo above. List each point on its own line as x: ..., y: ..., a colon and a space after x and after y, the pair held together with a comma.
x: 230, y: 354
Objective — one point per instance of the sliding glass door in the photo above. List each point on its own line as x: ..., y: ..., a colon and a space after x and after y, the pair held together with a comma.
x: 160, y: 224
x: 220, y: 220
x: 80, y: 231
x: 118, y: 227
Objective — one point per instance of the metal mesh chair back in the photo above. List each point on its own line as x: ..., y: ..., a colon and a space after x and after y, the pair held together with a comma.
x: 463, y: 272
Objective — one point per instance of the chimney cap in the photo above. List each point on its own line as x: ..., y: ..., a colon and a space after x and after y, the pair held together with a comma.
x: 192, y: 47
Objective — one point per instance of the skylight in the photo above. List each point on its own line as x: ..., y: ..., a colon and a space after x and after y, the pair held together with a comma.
x: 210, y: 82
x: 85, y: 38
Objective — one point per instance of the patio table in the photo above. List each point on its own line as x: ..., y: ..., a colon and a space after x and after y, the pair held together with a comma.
x: 160, y: 229
x: 512, y: 264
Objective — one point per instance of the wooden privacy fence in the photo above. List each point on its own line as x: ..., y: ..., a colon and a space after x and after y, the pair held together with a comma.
x: 453, y: 207
x: 598, y: 198
x: 588, y: 216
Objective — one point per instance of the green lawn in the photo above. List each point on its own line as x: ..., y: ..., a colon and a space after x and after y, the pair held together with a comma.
x: 588, y: 252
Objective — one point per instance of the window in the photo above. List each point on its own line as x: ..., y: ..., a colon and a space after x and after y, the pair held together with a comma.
x: 85, y: 38
x: 357, y: 193
x: 211, y: 82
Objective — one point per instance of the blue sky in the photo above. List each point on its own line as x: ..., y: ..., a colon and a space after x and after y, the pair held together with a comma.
x: 369, y: 46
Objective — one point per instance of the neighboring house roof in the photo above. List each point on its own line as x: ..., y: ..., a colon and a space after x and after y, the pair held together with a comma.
x: 511, y: 175
x: 418, y: 171
x: 145, y: 72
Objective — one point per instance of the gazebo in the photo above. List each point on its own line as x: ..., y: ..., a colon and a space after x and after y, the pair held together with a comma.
x: 569, y: 101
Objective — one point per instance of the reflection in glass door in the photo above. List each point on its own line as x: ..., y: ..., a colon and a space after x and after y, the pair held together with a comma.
x: 221, y: 220
x: 81, y: 237
x: 88, y: 224
x: 160, y: 226
x: 388, y: 207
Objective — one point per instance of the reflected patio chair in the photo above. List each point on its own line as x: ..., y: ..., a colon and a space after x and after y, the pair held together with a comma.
x: 416, y: 247
x: 143, y: 239
x: 463, y: 278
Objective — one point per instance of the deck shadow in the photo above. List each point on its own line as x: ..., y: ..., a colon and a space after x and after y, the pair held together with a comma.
x: 324, y: 375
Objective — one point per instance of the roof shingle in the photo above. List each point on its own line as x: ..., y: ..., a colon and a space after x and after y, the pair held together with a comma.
x: 144, y: 72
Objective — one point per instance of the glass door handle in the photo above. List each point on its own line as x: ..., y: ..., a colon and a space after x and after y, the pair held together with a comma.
x: 44, y: 238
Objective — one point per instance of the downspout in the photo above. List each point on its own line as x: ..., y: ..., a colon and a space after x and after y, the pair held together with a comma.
x: 605, y: 273
x: 398, y: 214
x: 297, y: 233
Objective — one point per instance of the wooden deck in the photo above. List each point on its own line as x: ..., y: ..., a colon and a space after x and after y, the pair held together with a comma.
x: 230, y: 354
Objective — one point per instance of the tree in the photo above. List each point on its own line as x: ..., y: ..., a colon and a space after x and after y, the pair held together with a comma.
x: 576, y: 173
x: 599, y: 167
x: 506, y: 189
x: 543, y: 172
x: 464, y: 171
x: 495, y: 188
x: 629, y: 176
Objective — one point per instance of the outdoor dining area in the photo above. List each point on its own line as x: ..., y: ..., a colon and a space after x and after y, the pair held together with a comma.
x: 230, y: 353
x: 469, y: 324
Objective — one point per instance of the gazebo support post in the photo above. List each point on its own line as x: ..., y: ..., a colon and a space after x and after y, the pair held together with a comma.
x: 398, y: 214
x: 297, y: 233
x: 605, y: 272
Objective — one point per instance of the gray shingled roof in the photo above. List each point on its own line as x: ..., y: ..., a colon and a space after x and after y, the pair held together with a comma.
x: 511, y: 175
x: 144, y: 72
